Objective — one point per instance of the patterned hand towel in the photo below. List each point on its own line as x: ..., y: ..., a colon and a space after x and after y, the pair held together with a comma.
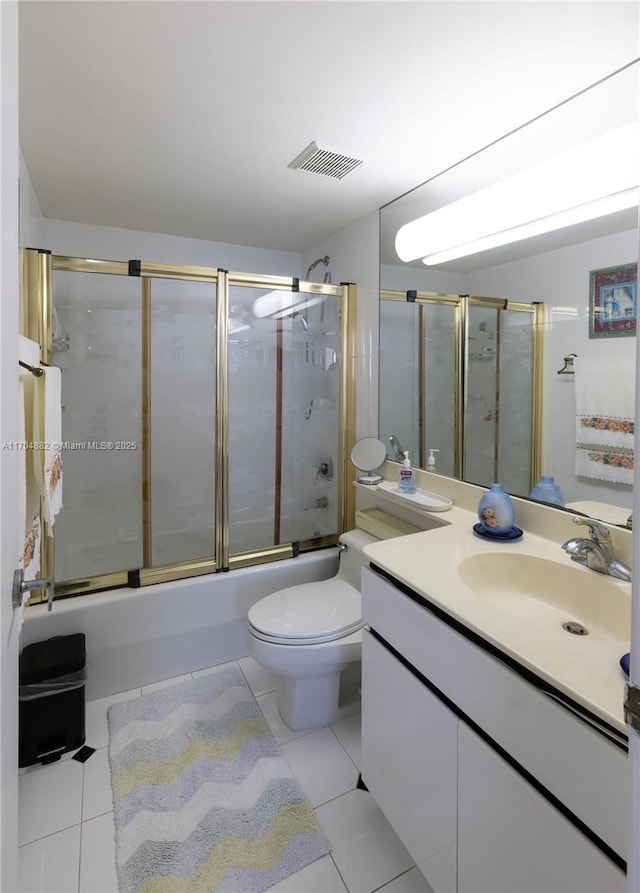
x: 605, y: 418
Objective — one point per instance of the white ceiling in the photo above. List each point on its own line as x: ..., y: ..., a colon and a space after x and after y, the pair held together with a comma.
x: 181, y: 117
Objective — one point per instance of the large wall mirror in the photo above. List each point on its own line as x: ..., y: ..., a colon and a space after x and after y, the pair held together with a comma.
x: 468, y: 382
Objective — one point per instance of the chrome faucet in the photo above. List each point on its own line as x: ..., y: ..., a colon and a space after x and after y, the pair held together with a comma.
x: 596, y: 551
x: 396, y: 446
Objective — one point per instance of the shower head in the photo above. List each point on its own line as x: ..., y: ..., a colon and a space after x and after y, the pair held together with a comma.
x: 326, y: 260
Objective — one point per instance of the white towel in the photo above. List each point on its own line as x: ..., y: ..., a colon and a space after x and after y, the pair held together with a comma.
x: 48, y: 437
x: 28, y: 351
x: 605, y: 418
x: 28, y: 491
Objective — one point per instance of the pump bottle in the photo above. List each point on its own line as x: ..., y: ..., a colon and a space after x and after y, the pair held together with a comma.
x: 431, y: 460
x: 407, y: 482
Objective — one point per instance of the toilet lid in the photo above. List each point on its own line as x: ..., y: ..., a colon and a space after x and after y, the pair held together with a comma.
x: 309, y: 613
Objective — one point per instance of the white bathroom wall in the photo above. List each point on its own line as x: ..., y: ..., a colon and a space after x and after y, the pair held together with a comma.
x: 31, y: 219
x: 404, y: 278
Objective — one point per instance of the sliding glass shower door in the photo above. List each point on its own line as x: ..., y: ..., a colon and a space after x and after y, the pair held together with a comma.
x: 96, y: 326
x: 502, y: 406
x: 460, y: 374
x: 178, y: 413
x: 199, y: 434
x: 283, y: 420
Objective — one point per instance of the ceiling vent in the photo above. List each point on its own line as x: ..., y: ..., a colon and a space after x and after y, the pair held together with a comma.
x: 326, y: 162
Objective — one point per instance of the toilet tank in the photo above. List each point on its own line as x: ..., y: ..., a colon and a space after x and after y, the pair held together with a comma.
x: 352, y: 558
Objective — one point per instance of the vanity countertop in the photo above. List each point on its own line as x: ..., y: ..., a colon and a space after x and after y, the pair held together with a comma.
x: 516, y: 595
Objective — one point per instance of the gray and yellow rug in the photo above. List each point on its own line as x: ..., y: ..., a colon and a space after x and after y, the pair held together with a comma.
x: 203, y: 797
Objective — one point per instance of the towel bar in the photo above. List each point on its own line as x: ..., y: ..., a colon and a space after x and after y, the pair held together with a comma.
x: 568, y: 369
x: 32, y: 369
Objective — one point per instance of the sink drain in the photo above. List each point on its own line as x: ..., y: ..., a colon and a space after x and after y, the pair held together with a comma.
x: 576, y: 629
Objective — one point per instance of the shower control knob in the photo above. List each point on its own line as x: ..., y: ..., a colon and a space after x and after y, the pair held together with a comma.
x: 325, y: 470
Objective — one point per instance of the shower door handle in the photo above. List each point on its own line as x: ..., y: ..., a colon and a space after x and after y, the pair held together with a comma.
x: 20, y: 587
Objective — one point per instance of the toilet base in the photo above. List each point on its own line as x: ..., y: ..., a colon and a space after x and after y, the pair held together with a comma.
x: 310, y: 702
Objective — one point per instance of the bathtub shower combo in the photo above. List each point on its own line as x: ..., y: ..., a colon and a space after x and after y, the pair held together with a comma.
x: 205, y: 418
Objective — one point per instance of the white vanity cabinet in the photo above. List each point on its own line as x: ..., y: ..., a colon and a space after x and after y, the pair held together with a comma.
x: 411, y: 762
x: 473, y: 766
x: 512, y: 840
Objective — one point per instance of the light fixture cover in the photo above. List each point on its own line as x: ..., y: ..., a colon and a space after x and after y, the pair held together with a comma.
x: 609, y: 204
x: 600, y: 168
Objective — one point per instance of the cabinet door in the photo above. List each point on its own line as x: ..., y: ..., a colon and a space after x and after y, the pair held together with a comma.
x: 409, y: 756
x: 512, y: 840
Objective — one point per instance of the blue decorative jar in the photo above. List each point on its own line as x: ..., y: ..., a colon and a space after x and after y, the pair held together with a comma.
x: 546, y: 490
x: 496, y: 512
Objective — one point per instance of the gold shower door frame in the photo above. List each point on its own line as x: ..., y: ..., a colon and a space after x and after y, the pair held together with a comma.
x: 536, y: 311
x: 36, y: 316
x: 461, y: 305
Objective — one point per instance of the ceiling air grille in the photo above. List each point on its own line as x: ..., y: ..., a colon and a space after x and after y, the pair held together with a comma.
x: 326, y: 162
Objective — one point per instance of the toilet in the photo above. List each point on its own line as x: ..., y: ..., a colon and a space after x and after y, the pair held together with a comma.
x: 310, y: 637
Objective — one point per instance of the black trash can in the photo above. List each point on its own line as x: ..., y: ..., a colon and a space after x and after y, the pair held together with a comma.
x: 52, y: 698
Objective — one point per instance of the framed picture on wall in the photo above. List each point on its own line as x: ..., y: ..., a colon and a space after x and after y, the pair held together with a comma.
x: 613, y: 301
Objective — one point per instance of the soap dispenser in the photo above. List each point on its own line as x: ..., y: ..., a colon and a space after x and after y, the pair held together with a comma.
x: 431, y: 460
x: 407, y: 482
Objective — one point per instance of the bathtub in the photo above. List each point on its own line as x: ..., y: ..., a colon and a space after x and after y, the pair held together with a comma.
x: 138, y: 636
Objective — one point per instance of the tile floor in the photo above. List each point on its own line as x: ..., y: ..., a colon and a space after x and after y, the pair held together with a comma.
x: 66, y: 819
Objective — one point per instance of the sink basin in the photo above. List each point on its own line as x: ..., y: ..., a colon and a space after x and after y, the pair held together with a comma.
x: 540, y: 592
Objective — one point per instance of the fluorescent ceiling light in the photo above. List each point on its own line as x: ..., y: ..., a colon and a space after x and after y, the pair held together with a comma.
x: 542, y: 195
x: 278, y: 304
x: 630, y: 198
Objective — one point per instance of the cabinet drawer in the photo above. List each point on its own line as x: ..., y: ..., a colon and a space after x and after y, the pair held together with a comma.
x: 584, y: 770
x: 409, y: 761
x: 511, y: 840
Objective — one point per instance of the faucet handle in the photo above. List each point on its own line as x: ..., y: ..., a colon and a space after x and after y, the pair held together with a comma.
x: 598, y: 532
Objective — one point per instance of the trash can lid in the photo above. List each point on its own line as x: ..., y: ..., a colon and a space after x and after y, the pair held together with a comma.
x: 53, y: 657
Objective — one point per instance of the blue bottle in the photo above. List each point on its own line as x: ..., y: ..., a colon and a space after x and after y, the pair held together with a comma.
x: 546, y: 490
x: 496, y: 512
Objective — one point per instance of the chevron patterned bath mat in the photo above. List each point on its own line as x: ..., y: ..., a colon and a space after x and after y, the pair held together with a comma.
x: 203, y: 798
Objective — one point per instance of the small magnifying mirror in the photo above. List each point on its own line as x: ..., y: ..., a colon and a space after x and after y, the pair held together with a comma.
x: 367, y: 455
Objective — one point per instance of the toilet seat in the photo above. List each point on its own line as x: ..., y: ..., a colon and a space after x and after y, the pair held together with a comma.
x: 303, y: 615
